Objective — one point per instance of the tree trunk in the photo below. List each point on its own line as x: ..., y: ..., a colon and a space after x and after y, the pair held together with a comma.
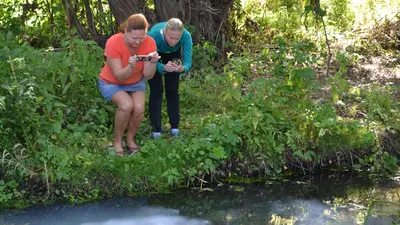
x: 122, y: 9
x: 206, y: 15
x: 167, y: 9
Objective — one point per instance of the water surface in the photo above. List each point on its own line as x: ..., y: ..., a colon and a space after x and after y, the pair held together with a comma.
x: 333, y: 199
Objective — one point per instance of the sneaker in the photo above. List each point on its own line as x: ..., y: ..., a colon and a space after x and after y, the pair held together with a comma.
x: 155, y: 135
x: 175, y: 133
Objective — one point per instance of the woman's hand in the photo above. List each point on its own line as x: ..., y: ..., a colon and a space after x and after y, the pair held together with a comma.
x: 171, y: 67
x: 150, y: 66
x: 179, y: 66
x: 154, y: 57
x: 132, y: 61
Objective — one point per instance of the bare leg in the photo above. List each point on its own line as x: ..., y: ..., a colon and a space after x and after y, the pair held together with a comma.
x: 125, y: 105
x: 138, y: 99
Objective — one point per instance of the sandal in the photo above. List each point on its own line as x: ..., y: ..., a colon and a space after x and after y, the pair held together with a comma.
x: 133, y: 150
x: 111, y: 148
x: 119, y: 153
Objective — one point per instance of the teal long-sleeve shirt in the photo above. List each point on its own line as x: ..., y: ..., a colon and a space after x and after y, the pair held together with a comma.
x: 156, y: 32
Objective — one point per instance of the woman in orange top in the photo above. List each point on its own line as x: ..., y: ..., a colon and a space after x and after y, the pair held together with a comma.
x: 131, y: 59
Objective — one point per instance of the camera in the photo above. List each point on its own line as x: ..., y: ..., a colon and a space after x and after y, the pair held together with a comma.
x: 177, y: 61
x: 143, y: 58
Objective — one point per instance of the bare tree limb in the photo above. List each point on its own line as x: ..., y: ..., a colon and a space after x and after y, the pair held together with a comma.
x: 89, y: 17
x: 329, y: 48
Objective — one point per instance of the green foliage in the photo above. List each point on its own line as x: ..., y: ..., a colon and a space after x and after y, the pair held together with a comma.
x: 9, y: 193
x: 204, y: 56
x: 44, y: 23
x: 40, y: 96
x: 10, y: 17
x: 340, y: 14
x: 260, y: 21
x: 380, y: 104
x: 340, y: 85
x: 331, y: 133
x: 294, y: 66
x: 38, y: 23
x: 43, y: 97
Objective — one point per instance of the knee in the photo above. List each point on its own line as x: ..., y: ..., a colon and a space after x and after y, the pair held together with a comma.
x: 126, y: 106
x: 138, y: 109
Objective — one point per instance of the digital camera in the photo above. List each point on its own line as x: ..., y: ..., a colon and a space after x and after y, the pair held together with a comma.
x: 177, y: 61
x: 143, y: 58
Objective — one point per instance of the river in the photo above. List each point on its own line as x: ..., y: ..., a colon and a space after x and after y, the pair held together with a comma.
x: 334, y: 199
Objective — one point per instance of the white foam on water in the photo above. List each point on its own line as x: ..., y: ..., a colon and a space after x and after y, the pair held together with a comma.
x: 151, y: 220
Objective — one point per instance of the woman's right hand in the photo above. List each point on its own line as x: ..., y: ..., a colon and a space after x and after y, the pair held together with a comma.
x: 170, y: 67
x: 132, y: 61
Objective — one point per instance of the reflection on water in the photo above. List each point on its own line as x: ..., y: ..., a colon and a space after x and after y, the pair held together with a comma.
x: 338, y: 199
x: 151, y: 216
x: 154, y: 220
x: 335, y: 199
x: 111, y: 212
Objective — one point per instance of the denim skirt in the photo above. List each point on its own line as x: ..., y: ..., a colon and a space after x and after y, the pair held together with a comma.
x: 109, y: 90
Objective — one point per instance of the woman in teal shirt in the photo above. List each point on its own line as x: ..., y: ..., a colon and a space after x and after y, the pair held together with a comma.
x: 174, y: 45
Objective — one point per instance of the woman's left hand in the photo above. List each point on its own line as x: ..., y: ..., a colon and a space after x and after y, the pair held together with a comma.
x: 154, y: 57
x: 179, y: 67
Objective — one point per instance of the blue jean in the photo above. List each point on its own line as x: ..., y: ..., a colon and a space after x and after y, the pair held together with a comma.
x: 109, y: 90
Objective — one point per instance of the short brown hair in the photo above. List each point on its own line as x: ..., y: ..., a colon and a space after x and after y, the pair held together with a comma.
x: 134, y: 22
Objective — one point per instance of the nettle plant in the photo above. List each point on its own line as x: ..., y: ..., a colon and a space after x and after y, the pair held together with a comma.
x: 204, y: 56
x: 44, y: 94
x: 267, y: 89
x: 293, y: 63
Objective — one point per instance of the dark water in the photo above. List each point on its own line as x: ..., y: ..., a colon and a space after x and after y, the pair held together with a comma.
x: 335, y: 199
